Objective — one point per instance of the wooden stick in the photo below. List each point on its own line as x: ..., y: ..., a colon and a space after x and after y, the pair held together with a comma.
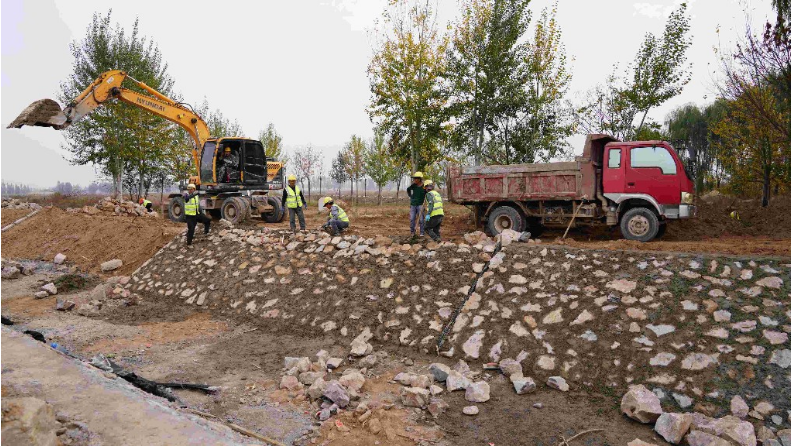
x: 572, y: 221
x: 566, y: 441
x: 236, y: 428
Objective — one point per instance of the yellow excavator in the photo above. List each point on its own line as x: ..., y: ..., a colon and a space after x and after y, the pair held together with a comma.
x: 232, y: 194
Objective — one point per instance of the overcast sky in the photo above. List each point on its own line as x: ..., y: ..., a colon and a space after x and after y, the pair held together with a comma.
x: 302, y: 64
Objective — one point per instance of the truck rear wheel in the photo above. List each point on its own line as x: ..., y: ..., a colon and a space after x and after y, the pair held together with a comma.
x: 233, y: 210
x: 276, y: 214
x: 505, y: 218
x: 639, y: 224
x: 176, y: 209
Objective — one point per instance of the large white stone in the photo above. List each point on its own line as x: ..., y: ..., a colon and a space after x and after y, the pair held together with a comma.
x: 640, y: 404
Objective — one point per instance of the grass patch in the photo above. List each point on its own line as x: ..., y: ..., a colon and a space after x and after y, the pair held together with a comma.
x: 74, y: 281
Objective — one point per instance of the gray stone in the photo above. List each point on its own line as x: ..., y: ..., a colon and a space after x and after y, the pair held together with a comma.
x: 361, y: 348
x: 673, y: 426
x: 309, y: 377
x: 781, y: 358
x: 640, y: 404
x: 316, y: 390
x: 697, y: 437
x: 64, y: 304
x: 477, y: 392
x: 523, y: 385
x: 739, y: 407
x: 509, y: 367
x: 40, y: 294
x: 682, y: 400
x: 10, y: 273
x: 784, y: 436
x: 439, y: 371
x: 290, y: 383
x: 472, y: 410
x: 456, y: 381
x: 729, y: 428
x: 368, y: 361
x: 302, y: 364
x: 353, y: 381
x: 336, y: 393
x: 415, y: 397
x: 334, y: 363
x: 558, y: 383
x: 60, y: 258
x: 50, y: 288
x: 111, y: 265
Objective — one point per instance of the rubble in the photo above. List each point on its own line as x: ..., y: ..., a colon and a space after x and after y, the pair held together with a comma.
x: 50, y: 288
x: 558, y: 383
x: 60, y: 258
x: 16, y: 204
x: 111, y: 265
x: 477, y: 392
x: 472, y: 410
x: 640, y: 404
x: 673, y: 426
x: 415, y: 397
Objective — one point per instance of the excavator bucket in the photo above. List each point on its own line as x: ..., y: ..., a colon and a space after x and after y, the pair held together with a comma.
x: 44, y: 113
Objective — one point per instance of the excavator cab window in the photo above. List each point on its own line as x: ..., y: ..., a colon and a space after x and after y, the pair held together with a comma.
x: 229, y: 164
x: 254, y: 163
x: 207, y: 162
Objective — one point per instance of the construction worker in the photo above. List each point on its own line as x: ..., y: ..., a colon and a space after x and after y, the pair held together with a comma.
x: 295, y: 202
x: 417, y: 195
x: 338, y: 220
x: 435, y: 213
x: 147, y: 204
x: 229, y: 168
x: 193, y: 213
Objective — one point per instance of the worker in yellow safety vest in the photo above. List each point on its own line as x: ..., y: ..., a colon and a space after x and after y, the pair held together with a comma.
x: 147, y: 204
x: 338, y: 220
x: 194, y: 214
x: 295, y: 202
x: 434, y: 213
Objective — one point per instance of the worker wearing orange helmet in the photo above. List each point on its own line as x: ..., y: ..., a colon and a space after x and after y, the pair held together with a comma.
x: 228, y: 166
x: 147, y: 204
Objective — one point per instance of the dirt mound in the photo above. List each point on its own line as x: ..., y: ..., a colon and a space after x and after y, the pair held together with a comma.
x: 87, y: 241
x: 10, y: 215
x: 713, y: 220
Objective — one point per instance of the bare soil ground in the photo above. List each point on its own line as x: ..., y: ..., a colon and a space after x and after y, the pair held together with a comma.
x: 191, y: 346
x: 9, y: 216
x: 87, y: 241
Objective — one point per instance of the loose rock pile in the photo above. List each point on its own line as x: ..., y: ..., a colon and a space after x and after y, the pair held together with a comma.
x: 115, y: 206
x: 641, y: 404
x: 13, y: 269
x: 16, y: 204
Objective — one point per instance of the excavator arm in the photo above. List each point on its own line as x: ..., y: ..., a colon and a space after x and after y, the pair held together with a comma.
x: 107, y: 86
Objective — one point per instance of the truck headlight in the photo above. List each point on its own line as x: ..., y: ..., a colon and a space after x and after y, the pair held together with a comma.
x: 687, y: 197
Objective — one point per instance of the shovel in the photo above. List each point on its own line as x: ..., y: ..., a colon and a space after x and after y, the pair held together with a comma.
x: 43, y: 113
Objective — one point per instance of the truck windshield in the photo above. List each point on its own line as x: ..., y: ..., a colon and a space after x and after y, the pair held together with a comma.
x: 653, y: 157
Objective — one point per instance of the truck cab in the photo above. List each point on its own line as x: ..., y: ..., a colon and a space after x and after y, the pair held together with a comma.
x: 646, y: 174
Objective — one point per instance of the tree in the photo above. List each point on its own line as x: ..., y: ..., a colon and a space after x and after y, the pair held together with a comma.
x: 690, y: 130
x: 306, y: 161
x: 405, y: 74
x: 338, y: 170
x: 273, y: 144
x: 379, y: 164
x: 115, y: 136
x: 548, y: 117
x: 354, y: 158
x: 756, y: 129
x: 659, y: 72
x: 486, y: 71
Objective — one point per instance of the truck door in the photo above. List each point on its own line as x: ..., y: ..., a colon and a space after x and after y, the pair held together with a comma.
x: 613, y: 176
x: 652, y: 170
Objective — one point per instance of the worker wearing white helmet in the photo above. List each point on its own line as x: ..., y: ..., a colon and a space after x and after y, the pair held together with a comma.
x: 194, y: 214
x: 417, y: 195
x: 295, y: 202
x: 338, y: 220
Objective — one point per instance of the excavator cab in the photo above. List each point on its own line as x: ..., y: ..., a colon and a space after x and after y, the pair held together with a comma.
x: 233, y: 164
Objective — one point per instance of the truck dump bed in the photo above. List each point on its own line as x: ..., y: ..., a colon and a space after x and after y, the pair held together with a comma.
x: 571, y: 180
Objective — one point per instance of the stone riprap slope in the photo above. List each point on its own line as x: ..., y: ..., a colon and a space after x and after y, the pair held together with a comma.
x: 697, y: 330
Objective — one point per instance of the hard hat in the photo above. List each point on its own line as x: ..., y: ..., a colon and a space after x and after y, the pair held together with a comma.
x: 428, y: 183
x: 734, y: 215
x: 417, y: 174
x: 327, y: 200
x: 140, y: 201
x: 292, y: 177
x: 227, y: 149
x: 191, y: 186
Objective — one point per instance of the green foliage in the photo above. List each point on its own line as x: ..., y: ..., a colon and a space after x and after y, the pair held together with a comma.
x: 659, y: 72
x: 354, y: 160
x: 690, y: 130
x: 379, y: 164
x: 405, y: 74
x: 117, y: 137
x: 273, y: 144
x: 338, y: 170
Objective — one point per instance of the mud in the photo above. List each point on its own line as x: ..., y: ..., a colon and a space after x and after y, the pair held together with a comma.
x: 36, y: 114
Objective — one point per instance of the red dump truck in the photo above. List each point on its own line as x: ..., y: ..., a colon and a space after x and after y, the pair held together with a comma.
x: 638, y: 185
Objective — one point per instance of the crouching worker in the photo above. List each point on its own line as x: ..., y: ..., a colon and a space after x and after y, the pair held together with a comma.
x: 147, y: 204
x: 338, y: 220
x: 435, y: 213
x: 194, y: 214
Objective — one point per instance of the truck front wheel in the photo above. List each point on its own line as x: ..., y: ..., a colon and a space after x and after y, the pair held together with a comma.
x: 639, y: 224
x: 505, y: 218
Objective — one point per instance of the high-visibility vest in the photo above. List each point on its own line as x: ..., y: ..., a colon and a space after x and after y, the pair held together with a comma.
x: 191, y: 206
x: 437, y: 209
x: 293, y: 199
x: 146, y: 202
x: 342, y: 214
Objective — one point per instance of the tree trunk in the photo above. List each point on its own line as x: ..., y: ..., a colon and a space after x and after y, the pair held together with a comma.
x: 308, y: 199
x: 365, y: 186
x: 398, y: 185
x: 161, y: 197
x: 767, y: 186
x: 379, y: 198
